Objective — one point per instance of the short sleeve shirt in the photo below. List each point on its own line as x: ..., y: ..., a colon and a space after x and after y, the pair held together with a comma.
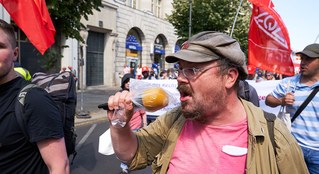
x: 17, y: 153
x: 306, y: 126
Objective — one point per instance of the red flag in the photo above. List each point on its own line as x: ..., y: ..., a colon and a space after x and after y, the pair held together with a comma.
x: 34, y: 20
x: 268, y: 40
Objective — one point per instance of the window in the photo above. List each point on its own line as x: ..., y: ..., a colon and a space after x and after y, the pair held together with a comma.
x: 156, y: 8
x: 132, y: 3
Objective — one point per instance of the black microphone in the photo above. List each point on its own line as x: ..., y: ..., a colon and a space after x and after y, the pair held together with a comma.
x: 104, y: 106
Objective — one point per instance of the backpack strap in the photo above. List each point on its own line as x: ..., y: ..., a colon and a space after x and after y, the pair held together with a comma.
x: 19, y: 108
x: 246, y: 90
x: 271, y: 130
x: 305, y: 103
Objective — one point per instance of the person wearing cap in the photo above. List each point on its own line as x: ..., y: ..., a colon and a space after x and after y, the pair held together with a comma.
x: 145, y: 72
x: 213, y: 130
x: 251, y: 72
x: 292, y: 92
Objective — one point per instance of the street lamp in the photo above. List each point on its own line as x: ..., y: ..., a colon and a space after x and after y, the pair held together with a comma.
x: 82, y: 56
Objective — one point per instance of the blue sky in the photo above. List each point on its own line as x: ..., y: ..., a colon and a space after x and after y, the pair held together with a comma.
x: 301, y: 18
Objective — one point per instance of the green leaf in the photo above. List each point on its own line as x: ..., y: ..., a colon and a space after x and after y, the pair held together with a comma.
x: 215, y: 15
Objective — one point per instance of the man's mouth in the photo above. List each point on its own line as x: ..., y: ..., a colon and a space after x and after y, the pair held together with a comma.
x: 185, y: 93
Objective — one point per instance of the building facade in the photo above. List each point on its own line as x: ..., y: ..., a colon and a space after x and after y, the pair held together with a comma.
x: 123, y: 33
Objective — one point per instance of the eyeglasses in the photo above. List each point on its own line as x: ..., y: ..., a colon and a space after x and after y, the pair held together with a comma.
x: 191, y: 73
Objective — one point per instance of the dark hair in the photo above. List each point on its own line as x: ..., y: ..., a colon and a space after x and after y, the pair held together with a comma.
x: 225, y: 65
x: 9, y: 30
x: 125, y: 79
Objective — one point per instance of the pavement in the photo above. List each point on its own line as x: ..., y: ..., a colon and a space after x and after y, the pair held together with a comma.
x: 87, y: 110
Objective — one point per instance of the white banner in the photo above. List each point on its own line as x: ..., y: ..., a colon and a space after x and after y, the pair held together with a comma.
x: 263, y: 88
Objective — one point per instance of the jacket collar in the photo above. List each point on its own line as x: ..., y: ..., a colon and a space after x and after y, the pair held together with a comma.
x: 255, y: 127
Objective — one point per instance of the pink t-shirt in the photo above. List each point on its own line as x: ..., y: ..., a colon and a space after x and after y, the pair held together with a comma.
x: 136, y: 121
x: 210, y: 149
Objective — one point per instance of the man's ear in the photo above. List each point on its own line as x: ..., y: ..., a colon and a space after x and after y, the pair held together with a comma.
x: 15, y: 53
x: 231, y: 77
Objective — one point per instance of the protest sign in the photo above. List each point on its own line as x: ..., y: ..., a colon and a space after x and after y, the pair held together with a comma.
x: 263, y: 88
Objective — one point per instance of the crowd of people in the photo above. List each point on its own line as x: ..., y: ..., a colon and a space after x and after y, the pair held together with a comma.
x: 150, y: 73
x: 259, y: 75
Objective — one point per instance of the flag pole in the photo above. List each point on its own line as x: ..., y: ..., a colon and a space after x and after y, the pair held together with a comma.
x: 232, y: 29
x: 190, y: 19
x: 316, y: 39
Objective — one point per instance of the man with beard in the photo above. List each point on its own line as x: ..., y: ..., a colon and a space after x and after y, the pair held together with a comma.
x: 213, y: 131
x: 292, y: 92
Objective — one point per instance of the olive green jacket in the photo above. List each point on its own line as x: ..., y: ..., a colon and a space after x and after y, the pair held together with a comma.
x: 158, y: 140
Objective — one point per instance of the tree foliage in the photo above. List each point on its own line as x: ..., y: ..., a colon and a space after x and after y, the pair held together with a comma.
x: 215, y: 15
x: 66, y: 15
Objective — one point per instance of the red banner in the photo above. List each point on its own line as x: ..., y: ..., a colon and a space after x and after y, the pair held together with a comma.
x: 268, y: 40
x: 34, y: 20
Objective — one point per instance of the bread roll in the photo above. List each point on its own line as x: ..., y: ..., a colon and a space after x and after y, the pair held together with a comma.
x: 154, y: 99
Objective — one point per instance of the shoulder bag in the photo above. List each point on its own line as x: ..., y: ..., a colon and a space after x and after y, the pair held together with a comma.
x: 305, y: 103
